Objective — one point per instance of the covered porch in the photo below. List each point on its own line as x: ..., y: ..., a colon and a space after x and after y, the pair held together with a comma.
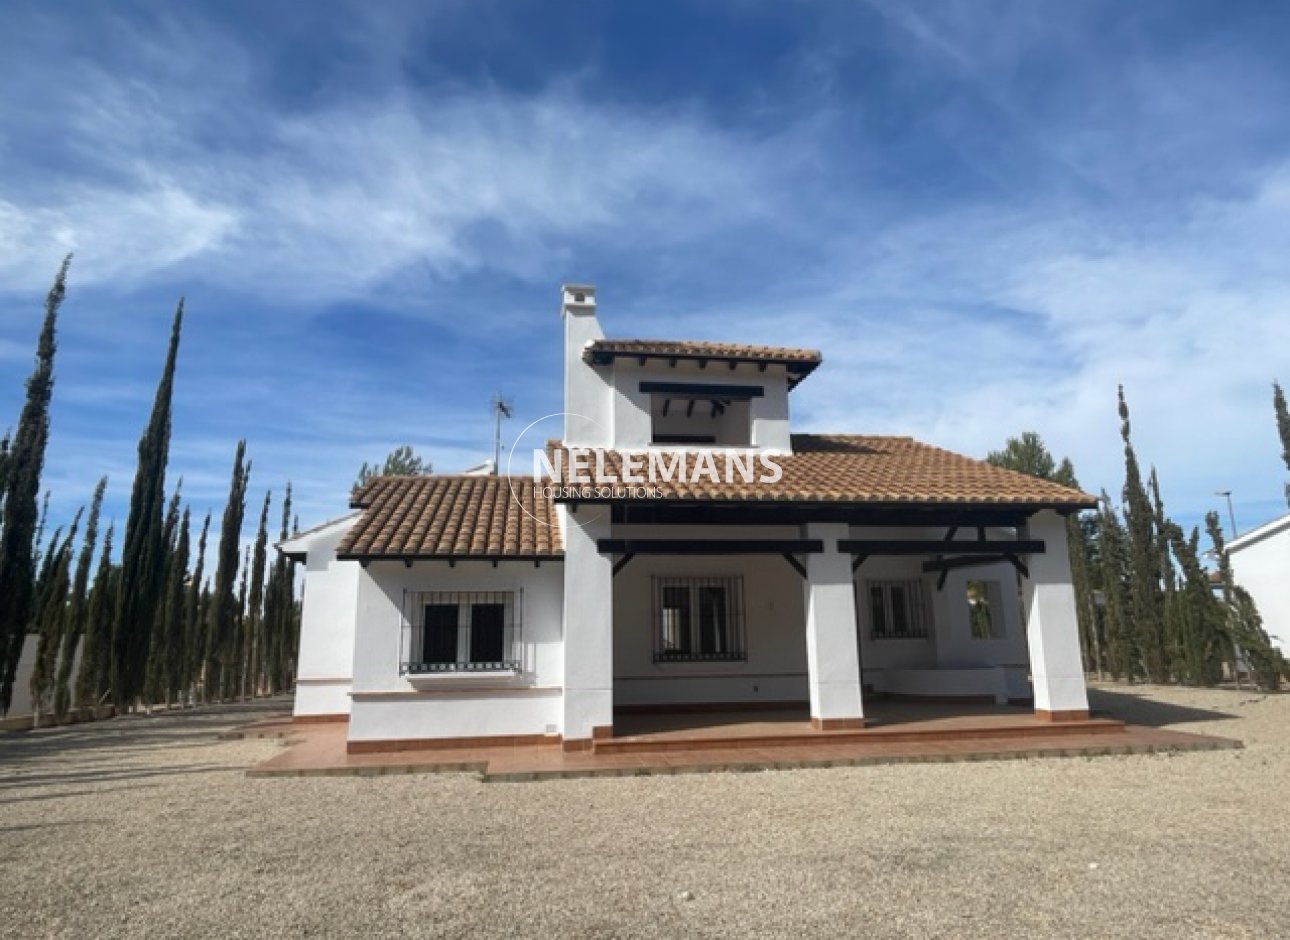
x: 767, y: 629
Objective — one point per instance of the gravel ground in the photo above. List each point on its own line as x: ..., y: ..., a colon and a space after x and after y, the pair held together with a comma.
x: 147, y: 827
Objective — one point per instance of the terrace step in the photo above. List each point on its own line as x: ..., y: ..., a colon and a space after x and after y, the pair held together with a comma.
x: 704, y: 739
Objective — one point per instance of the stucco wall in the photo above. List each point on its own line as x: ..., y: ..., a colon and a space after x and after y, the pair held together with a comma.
x: 775, y: 670
x: 388, y: 706
x: 326, y: 625
x: 767, y: 414
x: 950, y: 644
x: 1262, y: 567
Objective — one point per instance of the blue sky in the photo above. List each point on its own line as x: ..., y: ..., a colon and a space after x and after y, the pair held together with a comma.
x: 986, y: 214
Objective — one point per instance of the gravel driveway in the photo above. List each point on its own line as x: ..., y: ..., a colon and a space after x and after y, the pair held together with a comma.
x: 148, y: 827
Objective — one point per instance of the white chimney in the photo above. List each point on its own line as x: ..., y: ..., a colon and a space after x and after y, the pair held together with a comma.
x: 587, y: 394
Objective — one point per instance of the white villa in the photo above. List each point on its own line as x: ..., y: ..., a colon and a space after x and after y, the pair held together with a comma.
x: 842, y: 569
x: 1260, y: 559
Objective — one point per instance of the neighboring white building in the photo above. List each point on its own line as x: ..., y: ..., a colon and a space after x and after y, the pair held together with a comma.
x: 466, y: 607
x: 1260, y: 562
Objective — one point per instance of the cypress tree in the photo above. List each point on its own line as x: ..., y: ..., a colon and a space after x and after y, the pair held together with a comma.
x: 92, y: 679
x: 38, y: 542
x: 235, y: 684
x: 144, y: 552
x: 23, y: 465
x: 1121, y: 641
x: 155, y: 688
x: 77, y: 605
x: 4, y: 471
x: 1175, y: 615
x: 255, y: 606
x: 1203, y: 631
x: 1079, y: 549
x: 50, y: 621
x: 279, y: 612
x: 194, y: 632
x: 222, y: 631
x: 1283, y: 427
x: 169, y: 654
x: 1145, y: 597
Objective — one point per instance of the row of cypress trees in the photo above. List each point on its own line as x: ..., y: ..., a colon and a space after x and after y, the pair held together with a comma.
x: 149, y: 627
x: 1148, y: 609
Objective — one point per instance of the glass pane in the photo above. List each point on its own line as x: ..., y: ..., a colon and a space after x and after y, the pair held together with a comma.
x: 899, y: 610
x: 487, y: 633
x: 877, y: 610
x: 980, y: 616
x: 712, y: 620
x: 676, y: 619
x: 439, y: 636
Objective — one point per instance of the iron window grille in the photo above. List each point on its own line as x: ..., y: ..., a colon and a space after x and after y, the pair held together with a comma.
x: 461, y: 632
x: 698, y: 619
x: 897, y: 609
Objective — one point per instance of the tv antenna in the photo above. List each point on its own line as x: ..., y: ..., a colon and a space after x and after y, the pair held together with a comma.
x: 501, y: 409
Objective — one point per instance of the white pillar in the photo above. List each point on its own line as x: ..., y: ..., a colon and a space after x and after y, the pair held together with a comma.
x: 1052, y: 629
x: 588, y: 627
x: 832, y: 645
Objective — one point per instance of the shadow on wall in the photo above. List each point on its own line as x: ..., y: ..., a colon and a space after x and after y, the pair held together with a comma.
x: 1137, y: 709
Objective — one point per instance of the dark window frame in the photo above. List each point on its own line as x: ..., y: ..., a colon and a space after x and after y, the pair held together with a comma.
x: 698, y: 618
x: 483, y: 632
x: 897, y: 609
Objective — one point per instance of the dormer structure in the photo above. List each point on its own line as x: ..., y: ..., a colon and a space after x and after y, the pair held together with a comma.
x: 632, y: 394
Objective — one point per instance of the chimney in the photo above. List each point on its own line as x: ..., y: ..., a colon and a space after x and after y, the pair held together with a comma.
x: 586, y: 393
x: 578, y: 299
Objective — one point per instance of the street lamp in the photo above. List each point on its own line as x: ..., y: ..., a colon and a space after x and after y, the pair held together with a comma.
x: 1230, y: 515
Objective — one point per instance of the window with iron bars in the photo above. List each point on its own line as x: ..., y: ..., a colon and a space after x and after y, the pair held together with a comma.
x: 897, y: 609
x: 461, y: 631
x: 698, y: 619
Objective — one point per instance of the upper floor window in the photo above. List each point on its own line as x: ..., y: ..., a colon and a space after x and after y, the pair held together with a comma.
x: 701, y: 413
x: 698, y: 619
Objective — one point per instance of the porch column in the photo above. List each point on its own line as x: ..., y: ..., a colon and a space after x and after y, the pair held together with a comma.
x: 832, y: 653
x: 1052, y: 629
x: 588, y: 628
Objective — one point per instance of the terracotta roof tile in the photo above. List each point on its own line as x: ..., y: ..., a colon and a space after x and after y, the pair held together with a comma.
x: 452, y: 517
x: 800, y: 361
x: 835, y: 468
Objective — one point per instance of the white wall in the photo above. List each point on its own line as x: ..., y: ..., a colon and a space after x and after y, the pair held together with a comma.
x: 588, y: 392
x: 767, y: 414
x: 775, y: 637
x: 950, y: 644
x: 326, y: 662
x: 1261, y: 564
x: 388, y: 706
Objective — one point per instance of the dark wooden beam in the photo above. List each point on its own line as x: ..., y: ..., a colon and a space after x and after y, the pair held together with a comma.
x: 689, y: 408
x: 733, y: 513
x: 857, y: 562
x: 709, y: 546
x: 946, y: 565
x: 702, y: 390
x: 797, y: 565
x: 963, y: 561
x: 940, y: 547
x: 621, y: 563
x: 667, y: 403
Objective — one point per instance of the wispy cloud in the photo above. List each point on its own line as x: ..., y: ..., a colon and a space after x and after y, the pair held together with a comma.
x: 987, y: 215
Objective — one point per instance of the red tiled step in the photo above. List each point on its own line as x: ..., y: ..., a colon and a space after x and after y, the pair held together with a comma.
x: 678, y: 741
